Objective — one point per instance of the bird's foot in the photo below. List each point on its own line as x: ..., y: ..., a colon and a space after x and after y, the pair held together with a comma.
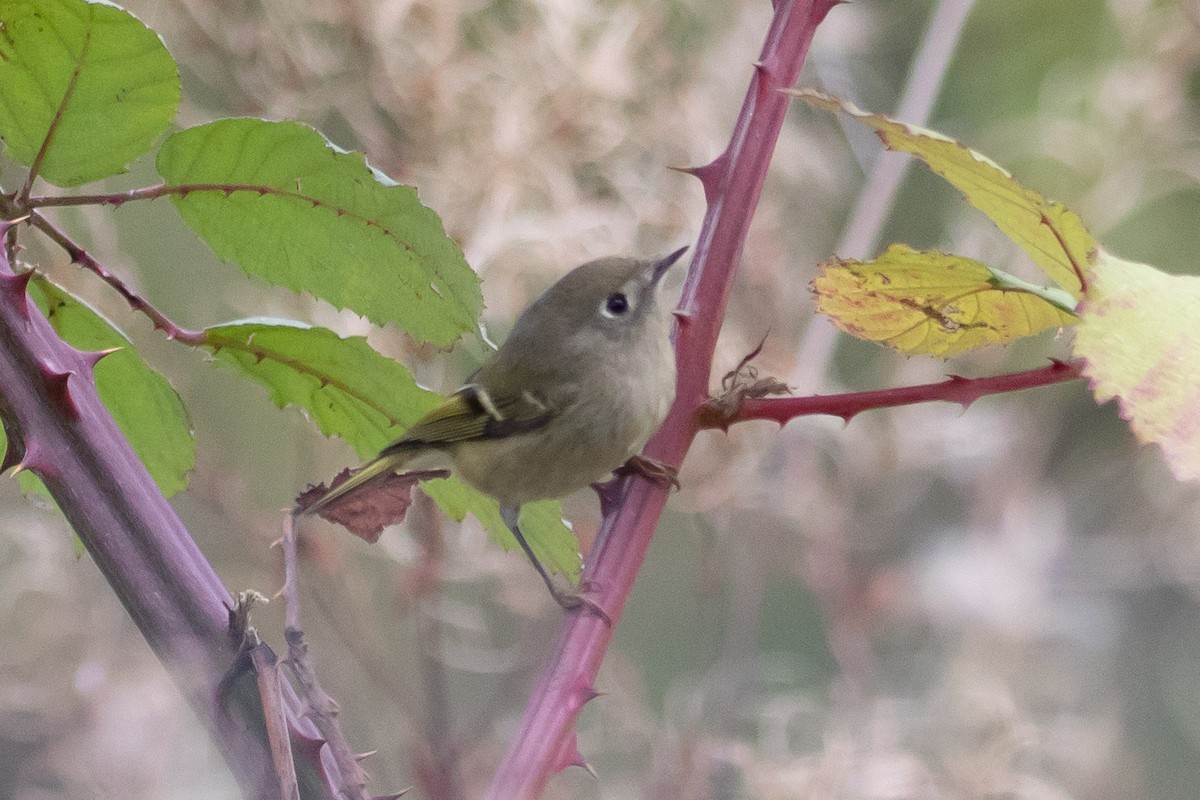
x: 662, y: 475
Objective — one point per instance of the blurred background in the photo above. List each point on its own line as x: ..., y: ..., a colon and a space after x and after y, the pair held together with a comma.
x: 925, y: 603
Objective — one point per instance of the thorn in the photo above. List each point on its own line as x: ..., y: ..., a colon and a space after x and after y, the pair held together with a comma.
x: 392, y: 796
x: 14, y: 288
x: 590, y: 694
x: 361, y: 757
x: 7, y: 224
x: 33, y: 460
x: 13, y: 455
x: 571, y: 757
x: 709, y: 175
x: 94, y: 357
x: 310, y: 746
x: 58, y: 384
x: 823, y: 8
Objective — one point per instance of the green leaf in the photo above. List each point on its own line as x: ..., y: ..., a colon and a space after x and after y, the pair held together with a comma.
x: 348, y: 388
x: 1053, y: 235
x: 85, y: 83
x: 353, y: 392
x: 144, y: 405
x: 935, y: 304
x: 289, y: 207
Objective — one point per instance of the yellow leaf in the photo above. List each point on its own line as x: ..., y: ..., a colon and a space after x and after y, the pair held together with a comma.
x: 1052, y: 235
x: 1139, y: 335
x: 934, y: 303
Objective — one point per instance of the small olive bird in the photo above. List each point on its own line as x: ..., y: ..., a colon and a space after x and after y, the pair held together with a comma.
x: 582, y: 382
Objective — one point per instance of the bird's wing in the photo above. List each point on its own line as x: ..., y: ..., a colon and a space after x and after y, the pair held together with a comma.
x: 472, y: 413
x: 469, y: 414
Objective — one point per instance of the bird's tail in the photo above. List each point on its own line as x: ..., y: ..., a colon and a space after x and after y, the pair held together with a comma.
x: 385, y: 463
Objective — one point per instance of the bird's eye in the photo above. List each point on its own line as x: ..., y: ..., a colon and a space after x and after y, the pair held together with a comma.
x: 616, y: 304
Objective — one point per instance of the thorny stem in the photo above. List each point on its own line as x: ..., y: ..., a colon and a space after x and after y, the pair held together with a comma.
x: 61, y: 431
x: 320, y: 708
x: 963, y: 391
x: 545, y: 742
x: 175, y: 332
x: 118, y: 199
x: 138, y: 303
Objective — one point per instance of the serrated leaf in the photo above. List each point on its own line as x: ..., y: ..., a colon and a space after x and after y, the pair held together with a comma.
x: 1139, y: 335
x: 87, y: 78
x: 289, y: 207
x: 144, y: 405
x: 348, y: 388
x: 1053, y: 236
x: 355, y: 393
x: 933, y: 303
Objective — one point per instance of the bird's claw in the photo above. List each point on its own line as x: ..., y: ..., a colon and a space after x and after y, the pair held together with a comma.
x: 660, y: 474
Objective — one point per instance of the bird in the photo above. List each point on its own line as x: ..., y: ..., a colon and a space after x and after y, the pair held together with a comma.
x: 583, y: 380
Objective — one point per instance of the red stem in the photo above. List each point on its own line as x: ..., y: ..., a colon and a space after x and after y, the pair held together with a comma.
x: 963, y: 391
x: 118, y: 199
x: 732, y: 183
x: 138, y: 303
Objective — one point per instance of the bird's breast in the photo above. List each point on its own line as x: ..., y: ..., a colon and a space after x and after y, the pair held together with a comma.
x: 613, y: 411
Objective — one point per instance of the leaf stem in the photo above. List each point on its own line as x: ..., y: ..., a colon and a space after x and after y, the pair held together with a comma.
x: 118, y: 199
x: 1056, y: 296
x: 84, y: 259
x: 35, y: 167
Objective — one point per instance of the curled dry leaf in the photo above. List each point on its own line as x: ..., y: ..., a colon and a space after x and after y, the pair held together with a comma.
x: 737, y: 385
x: 369, y: 509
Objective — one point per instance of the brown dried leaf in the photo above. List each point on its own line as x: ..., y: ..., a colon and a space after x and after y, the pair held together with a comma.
x: 743, y: 382
x: 368, y: 509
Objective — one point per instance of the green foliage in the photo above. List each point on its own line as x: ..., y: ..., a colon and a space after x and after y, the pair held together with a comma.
x: 86, y: 82
x: 353, y: 392
x: 145, y: 407
x: 345, y: 386
x: 85, y: 88
x: 289, y: 207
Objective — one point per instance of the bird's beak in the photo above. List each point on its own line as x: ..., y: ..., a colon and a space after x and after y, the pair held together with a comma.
x: 663, y: 264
